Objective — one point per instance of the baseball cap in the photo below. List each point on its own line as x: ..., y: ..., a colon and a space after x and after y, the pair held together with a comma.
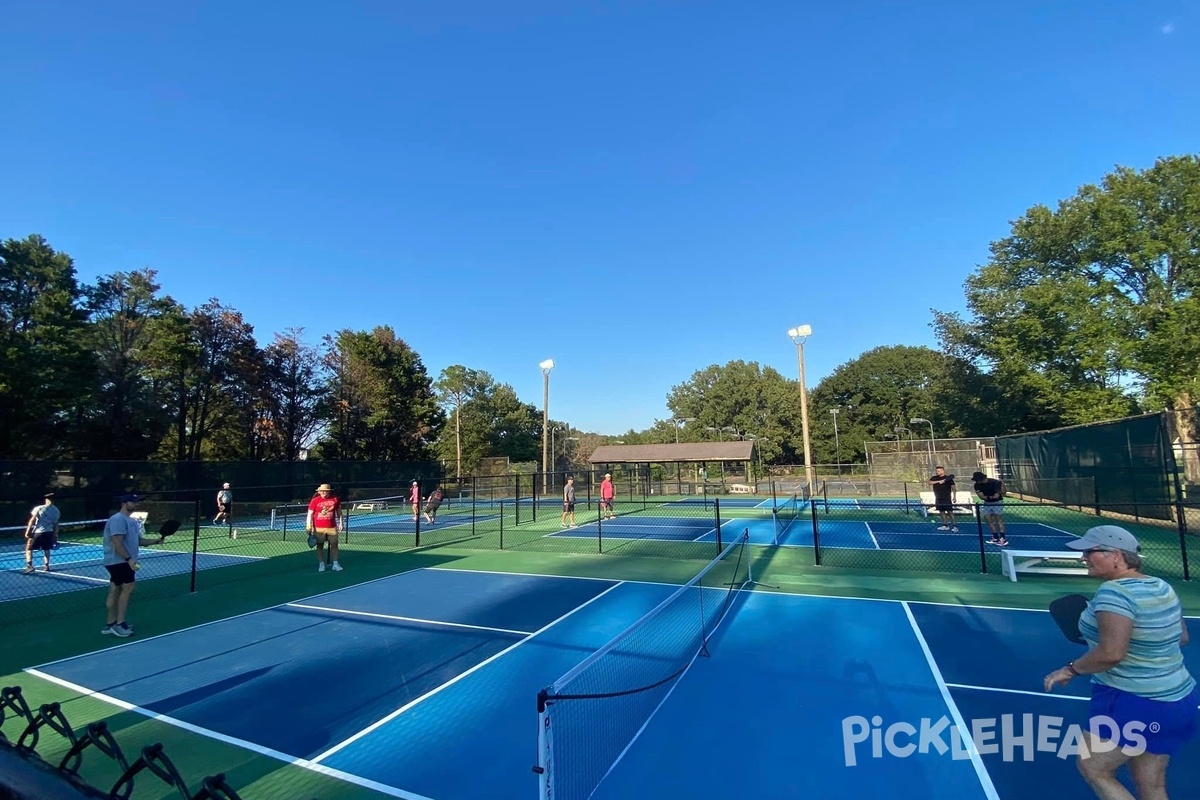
x: 978, y: 476
x: 1106, y: 537
x: 129, y: 498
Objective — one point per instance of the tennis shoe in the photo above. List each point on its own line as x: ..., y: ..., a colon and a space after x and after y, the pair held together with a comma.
x: 118, y: 629
x: 321, y: 567
x: 954, y: 529
x: 943, y: 527
x: 337, y: 567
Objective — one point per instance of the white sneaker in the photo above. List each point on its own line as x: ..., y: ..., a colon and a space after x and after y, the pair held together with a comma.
x: 337, y: 567
x: 943, y: 528
x: 954, y: 529
x: 321, y: 567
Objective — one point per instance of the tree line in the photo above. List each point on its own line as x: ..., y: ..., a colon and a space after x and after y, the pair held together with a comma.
x: 1084, y: 312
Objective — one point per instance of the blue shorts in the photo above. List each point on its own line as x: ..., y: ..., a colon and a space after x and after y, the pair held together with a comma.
x: 1164, y: 725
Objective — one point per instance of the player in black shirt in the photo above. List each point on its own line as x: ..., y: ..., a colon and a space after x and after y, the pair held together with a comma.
x: 991, y: 492
x: 943, y: 498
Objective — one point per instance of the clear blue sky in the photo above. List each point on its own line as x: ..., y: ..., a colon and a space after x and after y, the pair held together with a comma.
x: 637, y: 189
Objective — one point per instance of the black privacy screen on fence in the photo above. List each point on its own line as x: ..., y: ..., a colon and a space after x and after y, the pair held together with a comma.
x: 1126, y: 464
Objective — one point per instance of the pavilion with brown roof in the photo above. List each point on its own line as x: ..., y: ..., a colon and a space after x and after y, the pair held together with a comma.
x: 633, y: 456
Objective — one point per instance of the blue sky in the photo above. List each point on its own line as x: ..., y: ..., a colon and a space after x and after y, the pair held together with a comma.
x: 636, y: 189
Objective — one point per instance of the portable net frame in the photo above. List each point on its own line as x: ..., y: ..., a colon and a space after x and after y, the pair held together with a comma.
x: 590, y: 716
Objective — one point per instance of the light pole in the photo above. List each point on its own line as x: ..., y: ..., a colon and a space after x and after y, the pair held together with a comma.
x: 923, y: 421
x: 677, y: 420
x: 546, y: 366
x: 837, y: 443
x: 798, y: 335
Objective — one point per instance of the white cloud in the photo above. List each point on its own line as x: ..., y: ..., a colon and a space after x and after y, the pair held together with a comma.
x: 1169, y: 28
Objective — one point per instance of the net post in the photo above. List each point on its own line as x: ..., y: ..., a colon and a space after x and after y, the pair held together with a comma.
x: 599, y: 528
x: 982, y: 546
x: 825, y: 494
x: 502, y: 524
x: 195, y: 543
x: 544, y: 763
x: 906, y: 508
x: 1181, y: 523
x: 533, y: 493
x: 816, y: 528
x: 717, y: 521
x: 516, y: 500
x: 417, y: 519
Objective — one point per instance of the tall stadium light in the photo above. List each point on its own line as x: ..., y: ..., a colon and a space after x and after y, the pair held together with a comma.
x: 798, y: 335
x: 837, y: 443
x: 677, y: 420
x: 923, y: 421
x: 546, y: 366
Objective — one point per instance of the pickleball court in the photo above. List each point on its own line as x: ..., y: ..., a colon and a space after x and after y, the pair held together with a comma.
x: 424, y: 685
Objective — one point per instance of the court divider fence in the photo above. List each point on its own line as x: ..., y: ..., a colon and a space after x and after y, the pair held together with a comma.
x: 267, y: 536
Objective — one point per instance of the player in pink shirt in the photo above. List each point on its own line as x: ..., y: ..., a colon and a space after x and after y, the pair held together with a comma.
x: 323, y: 521
x: 607, y: 494
x: 414, y: 497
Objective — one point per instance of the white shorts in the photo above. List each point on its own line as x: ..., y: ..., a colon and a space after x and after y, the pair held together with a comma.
x: 993, y: 509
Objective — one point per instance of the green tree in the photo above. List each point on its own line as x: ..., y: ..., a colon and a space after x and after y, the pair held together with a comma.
x: 45, y: 376
x: 209, y: 363
x: 879, y: 391
x: 126, y: 418
x: 1091, y: 309
x: 380, y: 399
x: 294, y: 393
x: 456, y: 386
x: 738, y: 400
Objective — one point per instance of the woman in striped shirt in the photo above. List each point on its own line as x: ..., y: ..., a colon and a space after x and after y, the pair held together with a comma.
x: 1143, y: 706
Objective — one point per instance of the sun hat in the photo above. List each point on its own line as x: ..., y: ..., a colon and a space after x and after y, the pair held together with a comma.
x: 1106, y: 537
x: 324, y: 487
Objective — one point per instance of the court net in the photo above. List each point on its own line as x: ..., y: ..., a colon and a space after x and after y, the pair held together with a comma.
x: 786, y: 513
x: 592, y: 714
x: 14, y: 535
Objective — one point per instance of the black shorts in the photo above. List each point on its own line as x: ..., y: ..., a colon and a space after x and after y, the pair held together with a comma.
x: 120, y: 574
x: 42, y: 541
x: 569, y: 506
x: 946, y: 507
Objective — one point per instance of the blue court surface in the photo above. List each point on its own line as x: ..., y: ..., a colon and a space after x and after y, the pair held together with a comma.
x: 423, y: 686
x: 854, y: 534
x: 80, y: 566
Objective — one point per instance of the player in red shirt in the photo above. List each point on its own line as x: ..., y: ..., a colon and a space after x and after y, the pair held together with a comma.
x: 323, y: 521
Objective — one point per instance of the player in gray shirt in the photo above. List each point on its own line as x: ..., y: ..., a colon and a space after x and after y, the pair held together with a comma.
x: 41, y: 532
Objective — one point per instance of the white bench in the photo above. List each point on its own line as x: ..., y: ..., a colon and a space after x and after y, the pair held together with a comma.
x: 740, y: 488
x: 379, y: 506
x: 1039, y: 561
x: 963, y: 503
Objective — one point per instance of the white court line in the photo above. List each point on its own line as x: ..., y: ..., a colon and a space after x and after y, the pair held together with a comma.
x: 985, y: 780
x: 376, y: 725
x: 756, y: 591
x: 63, y: 573
x: 871, y: 533
x: 218, y: 621
x: 408, y: 619
x: 265, y: 751
x: 1014, y: 691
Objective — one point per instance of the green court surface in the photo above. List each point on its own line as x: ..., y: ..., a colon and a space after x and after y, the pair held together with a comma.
x: 282, y: 570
